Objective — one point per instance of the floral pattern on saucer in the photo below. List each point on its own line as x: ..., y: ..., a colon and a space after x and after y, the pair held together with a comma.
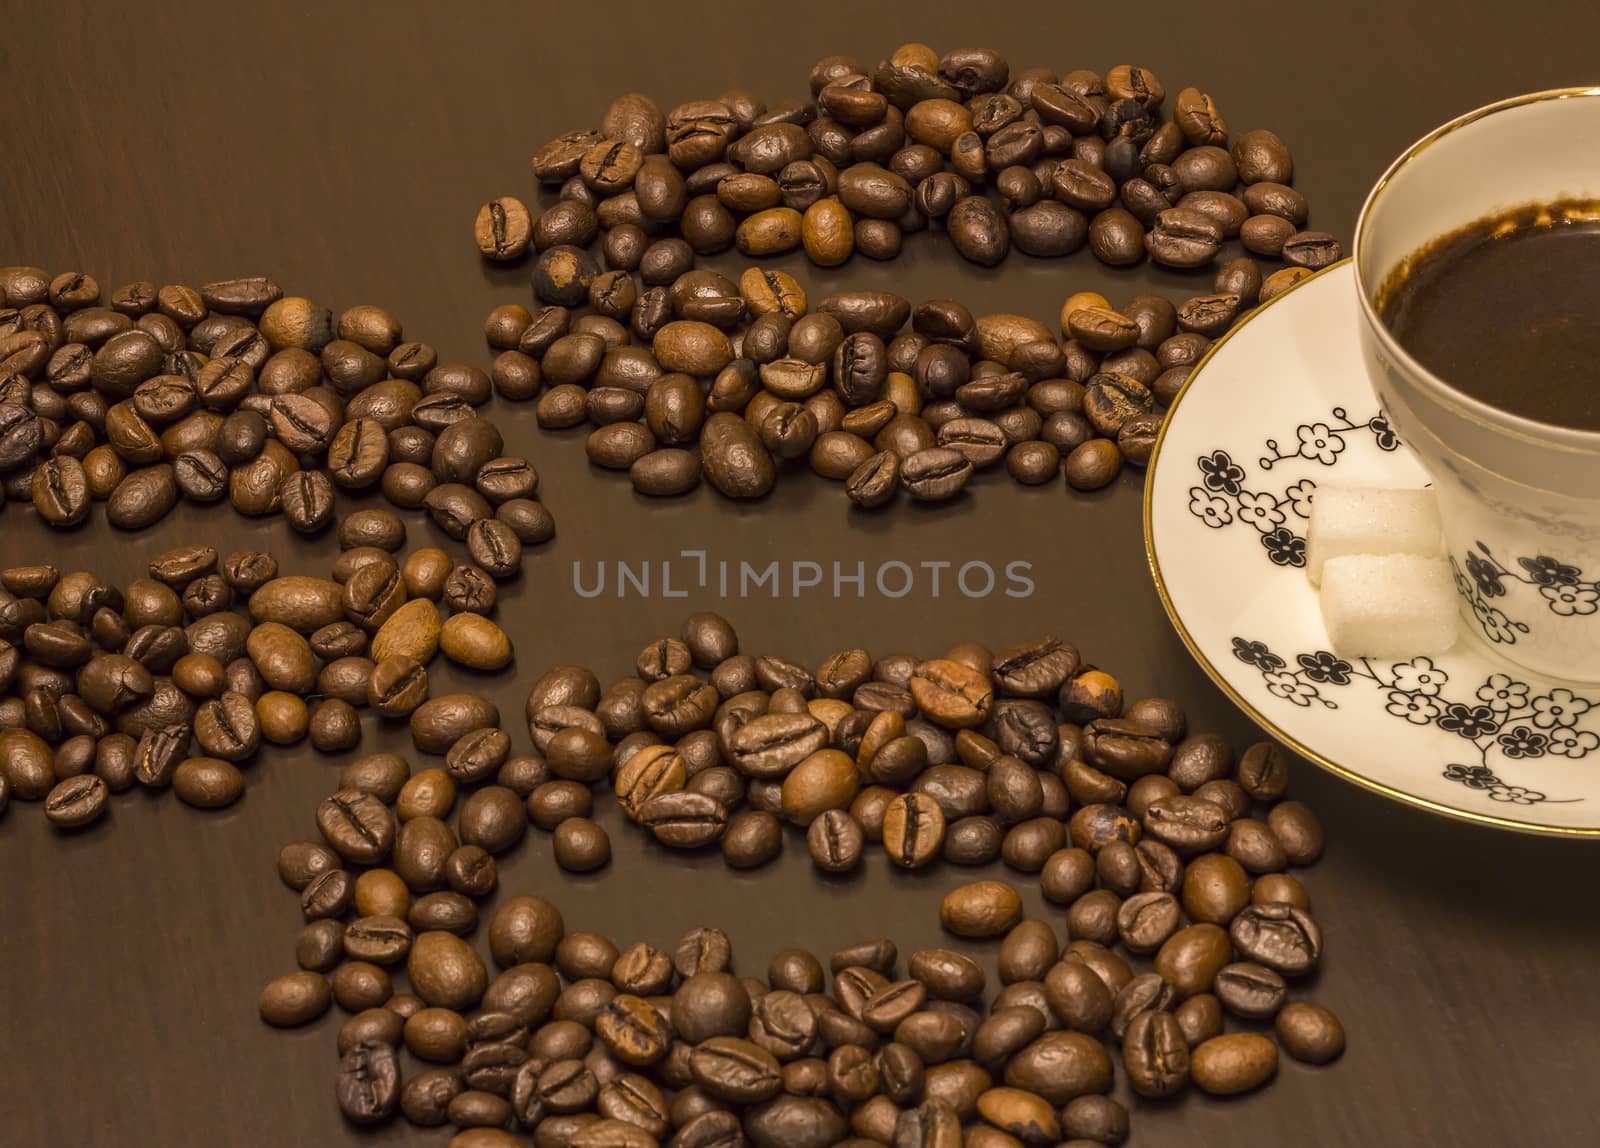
x: 1502, y: 718
x: 1223, y: 499
x: 1282, y: 403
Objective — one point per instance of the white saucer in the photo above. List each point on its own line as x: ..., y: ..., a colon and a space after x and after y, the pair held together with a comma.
x: 1280, y: 403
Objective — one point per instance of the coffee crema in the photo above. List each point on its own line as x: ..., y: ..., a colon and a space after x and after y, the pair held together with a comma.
x: 1507, y: 311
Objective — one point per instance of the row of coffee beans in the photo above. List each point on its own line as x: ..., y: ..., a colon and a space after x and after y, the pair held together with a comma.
x: 568, y: 1039
x: 178, y: 679
x: 238, y: 392
x: 1044, y: 162
x: 972, y: 757
x: 741, y: 381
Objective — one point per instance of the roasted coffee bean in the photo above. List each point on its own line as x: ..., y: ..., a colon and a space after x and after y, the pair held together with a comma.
x: 836, y: 841
x: 295, y: 999
x: 935, y: 474
x: 61, y: 491
x: 155, y: 759
x: 913, y: 830
x: 76, y: 800
x: 360, y: 985
x: 1227, y: 795
x: 1280, y: 936
x: 357, y: 825
x: 207, y: 782
x: 932, y: 1124
x: 684, y: 820
x: 980, y: 909
x: 1188, y: 824
x: 368, y: 1083
x: 1313, y: 250
x: 1309, y: 1032
x: 1093, y: 464
x: 735, y: 1070
x: 1094, y: 1120
x: 1200, y: 1017
x: 1060, y: 1066
x: 1184, y: 237
x: 1299, y: 831
x: 1250, y: 990
x: 1253, y: 845
x: 753, y: 839
x: 581, y: 845
x: 1215, y: 889
x: 1192, y: 956
x: 1235, y: 1063
x: 1156, y: 1055
x: 1146, y: 920
x: 1262, y: 771
x: 328, y: 894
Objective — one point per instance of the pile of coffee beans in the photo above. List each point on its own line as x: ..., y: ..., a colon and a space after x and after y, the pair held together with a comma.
x: 684, y: 372
x: 741, y: 381
x: 970, y: 758
x: 178, y: 679
x: 1178, y: 869
x: 236, y: 392
x: 568, y: 1039
x: 1157, y: 842
x: 1043, y: 162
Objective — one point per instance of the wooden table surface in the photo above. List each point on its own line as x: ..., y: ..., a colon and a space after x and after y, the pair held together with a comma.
x: 342, y: 150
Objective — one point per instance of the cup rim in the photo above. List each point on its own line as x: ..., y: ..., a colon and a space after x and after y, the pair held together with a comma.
x: 1486, y: 414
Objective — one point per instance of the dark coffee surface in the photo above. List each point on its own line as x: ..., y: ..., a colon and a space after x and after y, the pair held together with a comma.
x: 344, y: 153
x: 1507, y: 313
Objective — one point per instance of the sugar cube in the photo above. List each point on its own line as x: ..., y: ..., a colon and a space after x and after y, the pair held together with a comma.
x: 1389, y: 605
x: 1352, y: 520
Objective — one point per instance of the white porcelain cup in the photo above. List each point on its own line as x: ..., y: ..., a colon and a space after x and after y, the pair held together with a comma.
x: 1520, y: 499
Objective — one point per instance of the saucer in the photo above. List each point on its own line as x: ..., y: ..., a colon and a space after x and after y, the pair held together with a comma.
x: 1279, y: 404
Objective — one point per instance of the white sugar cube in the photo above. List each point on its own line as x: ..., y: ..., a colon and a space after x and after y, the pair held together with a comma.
x: 1351, y: 520
x: 1389, y: 606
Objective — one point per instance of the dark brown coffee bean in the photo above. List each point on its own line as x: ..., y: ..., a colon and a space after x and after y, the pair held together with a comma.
x: 1255, y: 847
x: 978, y: 231
x: 76, y: 801
x: 1093, y: 464
x: 1250, y: 990
x: 357, y: 825
x: 1117, y: 238
x: 207, y: 782
x: 1299, y: 831
x: 753, y: 839
x: 1309, y: 1032
x: 1191, y: 957
x: 1146, y: 920
x: 1208, y: 315
x: 735, y: 1070
x: 684, y: 820
x: 1280, y: 936
x: 1215, y: 889
x: 1188, y: 824
x: 1156, y: 1055
x: 836, y: 841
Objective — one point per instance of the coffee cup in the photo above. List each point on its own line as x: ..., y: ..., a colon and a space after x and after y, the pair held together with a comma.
x: 1519, y: 498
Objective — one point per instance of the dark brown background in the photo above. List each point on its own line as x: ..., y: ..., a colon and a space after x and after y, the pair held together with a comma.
x: 343, y: 150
